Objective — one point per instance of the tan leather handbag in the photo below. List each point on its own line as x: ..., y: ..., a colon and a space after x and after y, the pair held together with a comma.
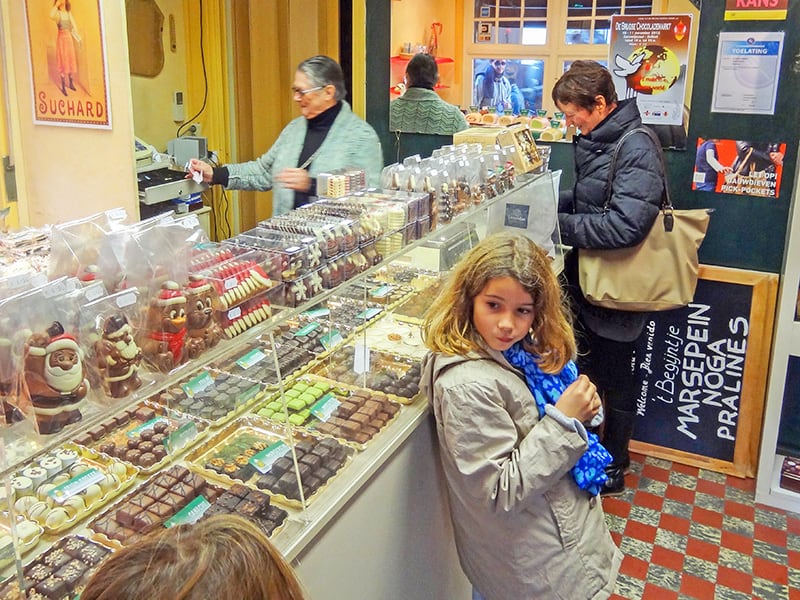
x: 659, y: 273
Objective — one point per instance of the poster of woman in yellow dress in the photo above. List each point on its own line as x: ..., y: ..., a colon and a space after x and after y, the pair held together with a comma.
x: 68, y: 63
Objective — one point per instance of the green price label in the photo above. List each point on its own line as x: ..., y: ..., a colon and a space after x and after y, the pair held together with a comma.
x: 251, y: 358
x: 262, y: 461
x: 180, y: 437
x: 190, y: 513
x: 324, y: 407
x: 76, y: 485
x: 197, y: 384
x: 329, y: 340
x: 307, y: 329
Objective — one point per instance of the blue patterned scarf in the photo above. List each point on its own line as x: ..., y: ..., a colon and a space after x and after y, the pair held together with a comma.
x: 589, y: 471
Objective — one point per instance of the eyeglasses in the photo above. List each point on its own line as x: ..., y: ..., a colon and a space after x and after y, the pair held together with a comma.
x: 501, y: 63
x: 298, y: 91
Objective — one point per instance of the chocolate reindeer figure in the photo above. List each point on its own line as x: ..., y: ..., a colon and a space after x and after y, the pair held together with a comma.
x: 55, y: 378
x: 202, y: 328
x: 118, y: 357
x: 164, y: 335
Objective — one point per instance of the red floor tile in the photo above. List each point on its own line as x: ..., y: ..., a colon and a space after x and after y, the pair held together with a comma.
x: 736, y: 580
x: 634, y: 567
x: 707, y: 517
x: 711, y: 487
x: 640, y: 531
x: 735, y: 541
x: 702, y: 549
x: 648, y: 500
x: 656, y: 473
x: 746, y: 484
x: 680, y: 494
x: 617, y: 507
x: 770, y: 571
x: 653, y: 592
x: 667, y: 558
x: 769, y: 535
x: 741, y: 511
x: 673, y: 523
x: 685, y: 469
x: 793, y: 559
x: 696, y: 588
x: 792, y: 525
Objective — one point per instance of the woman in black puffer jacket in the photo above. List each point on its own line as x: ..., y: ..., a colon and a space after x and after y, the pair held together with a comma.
x: 586, y: 95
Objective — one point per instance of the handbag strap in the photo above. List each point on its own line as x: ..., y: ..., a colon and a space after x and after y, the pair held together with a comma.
x: 666, y: 201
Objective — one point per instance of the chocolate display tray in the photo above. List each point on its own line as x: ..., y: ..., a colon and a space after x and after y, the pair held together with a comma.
x: 269, y: 434
x: 133, y: 536
x: 317, y: 426
x: 394, y: 375
x: 390, y: 336
x: 413, y: 309
x: 180, y: 423
x: 212, y: 396
x: 93, y: 460
x: 25, y: 545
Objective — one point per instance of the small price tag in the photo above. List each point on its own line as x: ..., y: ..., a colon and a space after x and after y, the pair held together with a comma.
x: 329, y: 340
x: 369, y: 313
x: 324, y: 407
x: 190, y: 513
x: 307, y: 329
x: 234, y: 313
x: 124, y: 300
x: 198, y: 384
x: 230, y: 283
x: 381, y: 291
x: 316, y: 313
x: 76, y: 485
x: 361, y: 358
x: 262, y: 461
x: 251, y: 358
x: 180, y: 437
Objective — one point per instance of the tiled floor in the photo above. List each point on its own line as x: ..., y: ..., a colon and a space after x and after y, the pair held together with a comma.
x: 691, y: 533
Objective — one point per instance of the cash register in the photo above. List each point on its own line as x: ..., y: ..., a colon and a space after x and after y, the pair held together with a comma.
x: 159, y: 180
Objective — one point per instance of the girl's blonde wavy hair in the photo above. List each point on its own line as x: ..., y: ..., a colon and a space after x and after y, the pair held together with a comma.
x: 448, y: 326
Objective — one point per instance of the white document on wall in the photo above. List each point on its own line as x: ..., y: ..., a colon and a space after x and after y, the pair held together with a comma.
x: 746, y: 76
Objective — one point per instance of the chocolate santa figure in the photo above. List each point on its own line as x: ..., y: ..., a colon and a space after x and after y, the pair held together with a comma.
x: 164, y: 338
x: 202, y: 328
x: 55, y: 378
x: 118, y: 357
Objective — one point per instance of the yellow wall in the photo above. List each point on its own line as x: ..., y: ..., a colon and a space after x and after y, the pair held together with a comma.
x: 68, y: 172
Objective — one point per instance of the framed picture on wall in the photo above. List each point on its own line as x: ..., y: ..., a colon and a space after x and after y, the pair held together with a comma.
x: 69, y: 77
x: 507, y: 84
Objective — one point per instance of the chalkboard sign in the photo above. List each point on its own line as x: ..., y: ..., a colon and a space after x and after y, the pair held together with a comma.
x: 703, y: 373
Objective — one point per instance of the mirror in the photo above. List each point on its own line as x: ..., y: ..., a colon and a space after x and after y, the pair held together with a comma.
x: 145, y: 48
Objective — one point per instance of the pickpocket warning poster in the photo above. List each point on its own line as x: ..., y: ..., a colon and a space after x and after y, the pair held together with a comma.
x: 739, y: 167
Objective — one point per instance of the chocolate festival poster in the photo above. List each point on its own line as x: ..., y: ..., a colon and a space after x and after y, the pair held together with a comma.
x: 69, y: 77
x: 648, y: 59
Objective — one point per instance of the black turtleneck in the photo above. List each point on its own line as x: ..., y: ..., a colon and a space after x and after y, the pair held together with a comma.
x: 318, y: 128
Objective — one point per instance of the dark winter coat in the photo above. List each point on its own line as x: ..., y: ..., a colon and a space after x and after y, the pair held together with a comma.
x: 636, y: 191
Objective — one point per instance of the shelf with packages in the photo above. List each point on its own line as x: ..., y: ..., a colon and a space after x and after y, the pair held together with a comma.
x: 280, y: 418
x: 778, y: 481
x: 398, y: 68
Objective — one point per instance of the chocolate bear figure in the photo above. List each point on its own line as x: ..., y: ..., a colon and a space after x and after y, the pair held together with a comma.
x: 203, y: 330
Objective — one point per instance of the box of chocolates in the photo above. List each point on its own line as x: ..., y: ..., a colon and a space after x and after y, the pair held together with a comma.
x: 148, y: 435
x: 259, y: 454
x: 58, y: 573
x: 390, y: 374
x: 354, y: 415
x: 212, y: 396
x: 58, y: 489
x: 152, y: 504
x: 28, y: 534
x: 251, y: 504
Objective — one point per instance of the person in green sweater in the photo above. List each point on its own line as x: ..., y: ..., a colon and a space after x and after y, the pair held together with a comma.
x: 420, y: 109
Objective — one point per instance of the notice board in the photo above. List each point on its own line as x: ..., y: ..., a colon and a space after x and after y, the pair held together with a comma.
x: 703, y: 373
